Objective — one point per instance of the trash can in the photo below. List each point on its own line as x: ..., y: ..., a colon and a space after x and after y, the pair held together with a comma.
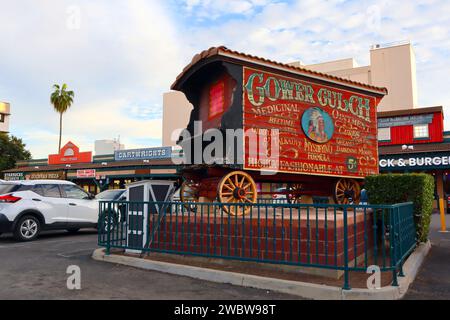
x: 142, y: 196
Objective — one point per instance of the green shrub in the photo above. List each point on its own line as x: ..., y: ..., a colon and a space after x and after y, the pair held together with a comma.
x: 396, y: 188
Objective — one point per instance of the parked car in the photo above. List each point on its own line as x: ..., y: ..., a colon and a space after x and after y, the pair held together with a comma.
x: 280, y: 195
x: 448, y: 203
x: 112, y: 195
x: 28, y: 207
x: 118, y: 210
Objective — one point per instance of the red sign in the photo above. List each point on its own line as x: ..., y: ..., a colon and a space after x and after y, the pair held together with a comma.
x: 70, y: 153
x: 88, y: 173
x: 306, y: 128
x: 216, y: 99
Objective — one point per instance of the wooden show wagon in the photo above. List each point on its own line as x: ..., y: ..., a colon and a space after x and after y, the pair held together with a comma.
x: 315, y: 132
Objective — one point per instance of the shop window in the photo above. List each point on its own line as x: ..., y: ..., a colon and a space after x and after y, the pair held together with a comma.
x: 384, y: 134
x: 216, y: 99
x: 421, y: 131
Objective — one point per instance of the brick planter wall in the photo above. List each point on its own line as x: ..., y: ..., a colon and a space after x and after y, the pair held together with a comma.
x: 287, y: 238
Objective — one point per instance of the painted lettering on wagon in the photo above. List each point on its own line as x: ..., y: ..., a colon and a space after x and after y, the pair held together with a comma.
x: 322, y: 129
x: 259, y: 88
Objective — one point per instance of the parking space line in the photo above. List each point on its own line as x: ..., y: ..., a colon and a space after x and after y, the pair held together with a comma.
x: 69, y: 255
x: 31, y: 244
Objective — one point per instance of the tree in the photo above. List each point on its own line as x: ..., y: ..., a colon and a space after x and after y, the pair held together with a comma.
x: 62, y: 100
x: 12, y: 149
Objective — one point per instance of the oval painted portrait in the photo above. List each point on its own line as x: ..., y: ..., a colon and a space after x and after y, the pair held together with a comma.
x: 317, y: 125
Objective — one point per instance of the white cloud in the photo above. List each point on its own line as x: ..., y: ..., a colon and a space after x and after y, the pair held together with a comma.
x: 124, y: 55
x: 315, y: 31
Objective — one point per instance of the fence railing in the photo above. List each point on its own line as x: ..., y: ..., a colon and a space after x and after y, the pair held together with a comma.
x: 339, y: 237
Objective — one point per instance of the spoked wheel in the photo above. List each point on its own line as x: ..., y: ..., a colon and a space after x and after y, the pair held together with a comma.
x: 237, y: 187
x: 347, y: 191
x: 189, y: 192
x: 294, y: 195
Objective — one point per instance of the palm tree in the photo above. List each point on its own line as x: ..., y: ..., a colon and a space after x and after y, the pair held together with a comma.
x: 61, y: 100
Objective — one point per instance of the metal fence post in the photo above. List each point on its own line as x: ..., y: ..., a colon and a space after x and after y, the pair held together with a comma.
x: 346, y: 279
x: 108, y: 234
x: 392, y: 246
x: 400, y: 216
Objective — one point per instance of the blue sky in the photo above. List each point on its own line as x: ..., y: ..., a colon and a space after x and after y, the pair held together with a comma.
x: 121, y: 56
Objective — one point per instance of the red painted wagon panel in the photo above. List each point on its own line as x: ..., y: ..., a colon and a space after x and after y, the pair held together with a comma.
x: 322, y: 130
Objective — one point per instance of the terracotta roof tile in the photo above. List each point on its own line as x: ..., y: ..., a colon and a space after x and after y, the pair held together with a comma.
x: 110, y: 164
x: 213, y: 51
x: 408, y: 112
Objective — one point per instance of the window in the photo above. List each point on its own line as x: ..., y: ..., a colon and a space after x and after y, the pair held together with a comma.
x: 69, y: 152
x: 47, y: 190
x: 74, y: 192
x: 8, y: 188
x: 384, y: 134
x: 216, y: 99
x: 2, y: 117
x: 420, y: 131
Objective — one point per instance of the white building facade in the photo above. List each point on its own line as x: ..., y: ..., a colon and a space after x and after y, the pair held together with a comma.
x: 5, y: 113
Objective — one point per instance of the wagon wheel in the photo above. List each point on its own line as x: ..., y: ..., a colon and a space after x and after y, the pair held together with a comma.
x: 237, y: 187
x: 294, y: 195
x: 189, y: 192
x: 346, y: 189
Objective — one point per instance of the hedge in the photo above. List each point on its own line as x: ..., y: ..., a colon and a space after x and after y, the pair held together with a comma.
x: 397, y: 188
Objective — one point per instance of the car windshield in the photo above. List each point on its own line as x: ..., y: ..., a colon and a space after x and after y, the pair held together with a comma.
x: 8, y: 187
x: 109, y: 195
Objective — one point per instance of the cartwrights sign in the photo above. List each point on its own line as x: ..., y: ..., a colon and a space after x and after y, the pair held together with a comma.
x: 323, y: 130
x: 143, y: 154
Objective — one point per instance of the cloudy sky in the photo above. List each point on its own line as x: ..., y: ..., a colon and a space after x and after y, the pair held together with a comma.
x: 121, y: 56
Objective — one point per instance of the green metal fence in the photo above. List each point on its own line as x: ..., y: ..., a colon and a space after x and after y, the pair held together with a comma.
x: 338, y: 237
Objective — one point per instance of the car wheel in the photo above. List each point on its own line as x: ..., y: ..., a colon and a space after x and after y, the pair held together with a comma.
x: 27, y: 228
x: 73, y: 230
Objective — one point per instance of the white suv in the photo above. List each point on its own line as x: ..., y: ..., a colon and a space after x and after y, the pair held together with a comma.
x: 28, y: 207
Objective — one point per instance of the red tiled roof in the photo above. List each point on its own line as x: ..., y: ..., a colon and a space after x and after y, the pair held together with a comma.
x: 109, y: 165
x: 409, y: 112
x: 224, y: 51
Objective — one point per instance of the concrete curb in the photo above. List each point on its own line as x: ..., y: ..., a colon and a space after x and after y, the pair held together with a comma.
x: 301, y: 289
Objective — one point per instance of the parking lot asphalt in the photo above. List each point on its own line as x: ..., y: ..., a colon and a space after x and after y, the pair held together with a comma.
x: 37, y: 270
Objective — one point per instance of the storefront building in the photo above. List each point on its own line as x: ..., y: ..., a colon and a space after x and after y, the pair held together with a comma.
x: 95, y: 174
x: 414, y: 141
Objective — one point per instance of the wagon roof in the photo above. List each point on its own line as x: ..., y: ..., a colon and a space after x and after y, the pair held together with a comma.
x: 247, y: 58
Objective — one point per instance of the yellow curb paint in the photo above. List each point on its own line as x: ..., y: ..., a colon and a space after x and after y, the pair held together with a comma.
x: 441, y: 207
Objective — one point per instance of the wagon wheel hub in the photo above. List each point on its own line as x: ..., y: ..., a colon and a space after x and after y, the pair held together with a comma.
x: 239, y: 193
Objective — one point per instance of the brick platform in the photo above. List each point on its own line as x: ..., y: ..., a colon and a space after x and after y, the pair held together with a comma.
x: 293, y: 236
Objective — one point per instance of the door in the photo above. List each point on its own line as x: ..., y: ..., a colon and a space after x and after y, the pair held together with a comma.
x: 82, y: 209
x: 51, y: 204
